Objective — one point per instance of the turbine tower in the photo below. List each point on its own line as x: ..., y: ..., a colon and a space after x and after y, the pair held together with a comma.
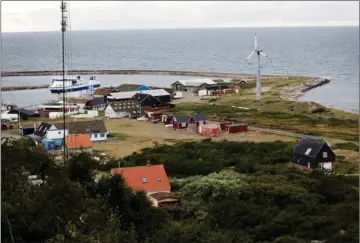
x: 258, y: 80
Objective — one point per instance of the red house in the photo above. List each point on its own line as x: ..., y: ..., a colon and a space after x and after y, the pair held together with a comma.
x: 180, y: 122
x: 238, y: 127
x: 223, y: 125
x: 167, y: 119
x: 197, y: 119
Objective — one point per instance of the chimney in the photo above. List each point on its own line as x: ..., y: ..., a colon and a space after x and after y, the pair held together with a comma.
x: 148, y: 162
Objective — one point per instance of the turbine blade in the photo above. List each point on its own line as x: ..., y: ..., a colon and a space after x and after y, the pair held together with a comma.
x: 250, y: 55
x: 255, y: 41
x: 263, y: 53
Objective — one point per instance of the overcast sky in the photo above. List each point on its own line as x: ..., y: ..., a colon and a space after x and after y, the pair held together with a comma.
x: 18, y: 16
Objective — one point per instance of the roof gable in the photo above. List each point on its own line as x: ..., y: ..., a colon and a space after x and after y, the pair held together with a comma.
x: 42, y: 129
x: 76, y: 141
x: 199, y: 117
x: 309, y: 147
x: 181, y: 119
x: 144, y: 178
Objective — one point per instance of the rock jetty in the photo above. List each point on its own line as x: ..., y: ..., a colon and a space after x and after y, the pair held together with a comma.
x: 294, y: 92
x: 136, y: 72
x: 24, y: 87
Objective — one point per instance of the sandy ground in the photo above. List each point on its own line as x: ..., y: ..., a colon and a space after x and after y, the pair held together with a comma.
x: 136, y: 135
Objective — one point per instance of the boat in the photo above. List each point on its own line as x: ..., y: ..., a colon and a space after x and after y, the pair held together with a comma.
x: 73, y: 84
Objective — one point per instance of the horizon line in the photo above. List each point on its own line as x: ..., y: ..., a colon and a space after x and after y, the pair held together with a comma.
x: 184, y: 28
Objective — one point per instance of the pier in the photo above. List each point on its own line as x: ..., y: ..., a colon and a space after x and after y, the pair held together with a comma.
x: 24, y: 87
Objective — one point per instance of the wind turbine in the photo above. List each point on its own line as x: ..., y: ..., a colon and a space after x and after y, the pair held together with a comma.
x: 258, y: 80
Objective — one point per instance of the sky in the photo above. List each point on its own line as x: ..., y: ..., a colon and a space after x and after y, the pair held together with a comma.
x: 25, y: 16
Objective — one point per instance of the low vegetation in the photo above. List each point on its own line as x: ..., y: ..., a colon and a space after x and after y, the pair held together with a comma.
x: 270, y: 202
x: 282, y: 115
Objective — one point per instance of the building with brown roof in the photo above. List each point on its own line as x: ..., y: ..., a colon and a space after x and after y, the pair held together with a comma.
x: 96, y: 129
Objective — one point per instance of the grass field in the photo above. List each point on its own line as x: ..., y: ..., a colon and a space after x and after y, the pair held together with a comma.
x: 134, y: 135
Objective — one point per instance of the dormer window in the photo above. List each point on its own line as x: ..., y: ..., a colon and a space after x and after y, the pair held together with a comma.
x: 308, y: 151
x: 144, y: 180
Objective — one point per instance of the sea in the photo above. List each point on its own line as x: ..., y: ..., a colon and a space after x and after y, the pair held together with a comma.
x: 330, y: 52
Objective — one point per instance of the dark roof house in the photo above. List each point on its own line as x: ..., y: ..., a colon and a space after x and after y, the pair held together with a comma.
x: 87, y: 127
x: 314, y: 154
x: 40, y: 132
x: 197, y: 118
x: 146, y: 100
x: 95, y: 103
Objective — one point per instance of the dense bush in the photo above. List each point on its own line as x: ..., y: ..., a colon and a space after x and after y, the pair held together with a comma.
x: 268, y: 201
x: 202, y: 158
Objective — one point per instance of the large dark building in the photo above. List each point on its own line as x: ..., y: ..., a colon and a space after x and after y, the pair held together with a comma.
x: 314, y: 154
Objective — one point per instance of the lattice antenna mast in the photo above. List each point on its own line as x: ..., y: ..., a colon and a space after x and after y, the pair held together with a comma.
x: 63, y: 23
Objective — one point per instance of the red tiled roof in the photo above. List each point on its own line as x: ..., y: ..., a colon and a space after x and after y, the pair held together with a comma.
x: 78, y: 141
x: 144, y: 178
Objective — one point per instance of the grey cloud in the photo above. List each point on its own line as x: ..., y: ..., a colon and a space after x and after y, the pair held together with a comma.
x: 149, y: 14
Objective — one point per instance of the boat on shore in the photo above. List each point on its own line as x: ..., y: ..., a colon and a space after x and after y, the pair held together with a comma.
x: 73, y: 84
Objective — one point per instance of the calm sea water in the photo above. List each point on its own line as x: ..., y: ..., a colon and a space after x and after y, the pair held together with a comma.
x: 331, y: 52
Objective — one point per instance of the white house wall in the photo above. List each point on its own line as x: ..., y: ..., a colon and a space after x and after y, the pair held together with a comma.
x: 95, y: 137
x: 56, y: 134
x: 327, y: 165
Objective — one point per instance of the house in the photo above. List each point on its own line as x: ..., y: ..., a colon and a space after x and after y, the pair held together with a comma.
x: 190, y: 85
x: 152, y: 179
x: 180, y: 122
x: 26, y: 130
x: 314, y: 154
x: 236, y: 127
x: 23, y: 113
x: 98, y: 104
x: 160, y: 94
x: 55, y: 134
x: 121, y: 109
x: 166, y: 119
x: 40, y: 132
x: 77, y: 143
x: 197, y: 119
x: 146, y: 100
x: 95, y: 129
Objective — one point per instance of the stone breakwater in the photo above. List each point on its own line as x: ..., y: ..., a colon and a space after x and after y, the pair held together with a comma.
x: 136, y: 72
x: 294, y: 92
x: 24, y: 87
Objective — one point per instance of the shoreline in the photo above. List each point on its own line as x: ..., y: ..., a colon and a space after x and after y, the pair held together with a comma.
x: 292, y: 93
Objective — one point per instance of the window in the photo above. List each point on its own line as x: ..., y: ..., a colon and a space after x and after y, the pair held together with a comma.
x: 102, y: 135
x: 183, y: 124
x: 325, y: 154
x: 308, y: 151
x: 95, y: 135
x: 159, y: 179
x: 144, y: 180
x: 59, y: 132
